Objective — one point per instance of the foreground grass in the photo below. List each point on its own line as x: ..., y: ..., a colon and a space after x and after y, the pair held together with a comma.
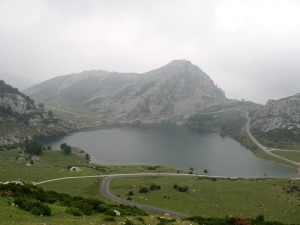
x: 11, y: 215
x: 248, y: 198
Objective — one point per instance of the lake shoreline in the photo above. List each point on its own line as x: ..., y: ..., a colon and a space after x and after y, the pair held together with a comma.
x: 158, y: 140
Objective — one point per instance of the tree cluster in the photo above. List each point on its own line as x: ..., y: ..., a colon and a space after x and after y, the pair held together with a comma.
x: 34, y: 148
x: 66, y: 148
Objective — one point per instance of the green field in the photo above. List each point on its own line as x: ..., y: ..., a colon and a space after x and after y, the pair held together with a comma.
x: 292, y: 155
x: 54, y: 164
x: 274, y: 198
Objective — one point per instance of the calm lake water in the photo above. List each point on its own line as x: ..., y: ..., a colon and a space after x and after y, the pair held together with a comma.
x: 172, y: 146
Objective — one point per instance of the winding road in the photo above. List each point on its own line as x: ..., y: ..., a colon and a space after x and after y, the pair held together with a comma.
x: 108, y: 178
x: 106, y: 192
x: 253, y: 139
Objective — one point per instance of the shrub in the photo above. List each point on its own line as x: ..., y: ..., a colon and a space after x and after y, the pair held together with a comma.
x: 109, y: 219
x: 41, y: 209
x: 33, y: 206
x: 83, y: 206
x: 102, y: 208
x: 183, y: 188
x: 74, y: 211
x: 175, y: 186
x: 260, y: 218
x: 143, y: 190
x: 130, y: 193
x: 152, y: 187
x: 34, y: 148
x: 128, y: 222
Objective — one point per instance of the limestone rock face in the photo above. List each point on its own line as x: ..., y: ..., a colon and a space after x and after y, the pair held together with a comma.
x: 22, y: 120
x: 173, y: 91
x: 279, y: 118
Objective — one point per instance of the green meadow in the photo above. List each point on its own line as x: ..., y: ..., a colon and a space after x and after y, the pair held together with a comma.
x: 276, y: 199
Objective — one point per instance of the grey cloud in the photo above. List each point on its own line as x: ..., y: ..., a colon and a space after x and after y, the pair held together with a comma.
x: 250, y: 57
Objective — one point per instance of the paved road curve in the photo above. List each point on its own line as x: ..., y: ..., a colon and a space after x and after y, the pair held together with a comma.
x: 106, y: 182
x: 106, y: 192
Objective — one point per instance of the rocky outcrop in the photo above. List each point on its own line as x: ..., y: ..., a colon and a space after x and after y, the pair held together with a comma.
x: 22, y: 120
x: 170, y: 93
x: 279, y: 119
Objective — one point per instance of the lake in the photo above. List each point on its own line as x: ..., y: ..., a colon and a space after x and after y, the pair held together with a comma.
x: 173, y: 146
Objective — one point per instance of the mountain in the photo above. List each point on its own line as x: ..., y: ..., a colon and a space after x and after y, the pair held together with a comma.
x: 173, y: 91
x: 279, y: 121
x: 22, y: 120
x: 16, y: 81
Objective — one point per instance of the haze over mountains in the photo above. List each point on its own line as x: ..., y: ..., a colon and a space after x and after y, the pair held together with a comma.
x: 16, y: 81
x: 173, y: 91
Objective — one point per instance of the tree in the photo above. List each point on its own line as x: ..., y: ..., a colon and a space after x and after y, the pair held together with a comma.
x: 205, y: 171
x: 34, y: 148
x: 66, y: 148
x: 62, y: 146
x: 41, y: 105
x: 88, y: 157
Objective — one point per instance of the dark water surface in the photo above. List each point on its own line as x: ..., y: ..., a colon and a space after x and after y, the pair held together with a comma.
x: 172, y: 146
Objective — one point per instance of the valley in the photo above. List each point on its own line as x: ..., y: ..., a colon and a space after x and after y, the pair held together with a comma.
x: 172, y: 122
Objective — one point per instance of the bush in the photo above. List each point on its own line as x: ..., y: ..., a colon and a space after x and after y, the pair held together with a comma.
x: 34, y: 148
x: 183, y: 188
x: 109, y: 219
x: 83, y: 206
x: 110, y: 212
x: 102, y: 208
x: 130, y: 193
x: 175, y: 186
x: 33, y: 206
x: 128, y: 222
x: 152, y: 187
x: 143, y: 190
x: 66, y: 148
x: 260, y: 218
x: 41, y: 209
x: 74, y: 211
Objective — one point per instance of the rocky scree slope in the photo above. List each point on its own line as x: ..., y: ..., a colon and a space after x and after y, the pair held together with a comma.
x: 169, y: 93
x: 22, y: 120
x: 279, y: 120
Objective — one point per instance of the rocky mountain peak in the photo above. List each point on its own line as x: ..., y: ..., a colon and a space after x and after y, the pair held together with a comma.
x: 175, y: 90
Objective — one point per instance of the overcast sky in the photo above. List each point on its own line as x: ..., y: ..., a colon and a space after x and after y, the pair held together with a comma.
x: 250, y: 48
